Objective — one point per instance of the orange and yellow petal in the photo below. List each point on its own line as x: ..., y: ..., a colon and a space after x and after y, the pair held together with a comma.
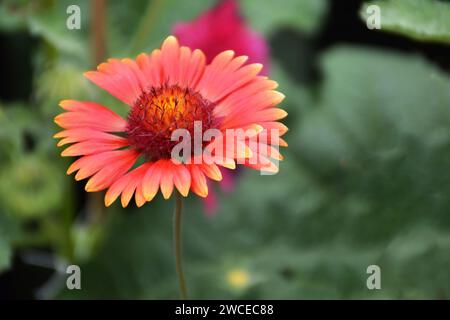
x: 103, y: 168
x: 178, y: 65
x: 151, y: 67
x: 250, y: 106
x: 237, y: 98
x: 167, y: 179
x: 198, y: 181
x: 94, y: 146
x: 212, y: 171
x: 147, y: 179
x: 82, y: 134
x: 126, y: 186
x: 225, y: 75
x: 122, y: 79
x: 151, y: 181
x: 88, y: 165
x: 182, y: 179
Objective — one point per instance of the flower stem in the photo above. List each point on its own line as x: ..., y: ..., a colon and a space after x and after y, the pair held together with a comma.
x: 178, y: 245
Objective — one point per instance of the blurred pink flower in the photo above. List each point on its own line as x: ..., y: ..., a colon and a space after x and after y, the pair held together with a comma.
x: 223, y: 28
x: 227, y: 184
x: 218, y: 29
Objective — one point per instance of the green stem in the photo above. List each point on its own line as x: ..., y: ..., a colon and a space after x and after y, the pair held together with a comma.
x: 141, y: 35
x: 178, y: 245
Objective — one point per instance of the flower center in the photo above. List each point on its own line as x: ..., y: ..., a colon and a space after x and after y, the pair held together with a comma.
x: 159, y: 112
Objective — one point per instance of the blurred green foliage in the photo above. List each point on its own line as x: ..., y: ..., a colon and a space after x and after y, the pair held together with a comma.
x: 425, y: 20
x: 365, y: 180
x: 268, y: 16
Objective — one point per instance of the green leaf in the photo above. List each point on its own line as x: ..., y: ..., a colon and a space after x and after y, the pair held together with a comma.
x: 377, y: 144
x: 270, y: 15
x: 423, y: 20
x: 49, y: 22
x: 372, y: 100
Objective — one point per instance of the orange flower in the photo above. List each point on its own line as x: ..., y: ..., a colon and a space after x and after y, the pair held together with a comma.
x: 171, y: 88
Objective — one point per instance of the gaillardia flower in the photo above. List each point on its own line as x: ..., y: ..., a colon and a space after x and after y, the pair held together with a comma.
x: 168, y: 90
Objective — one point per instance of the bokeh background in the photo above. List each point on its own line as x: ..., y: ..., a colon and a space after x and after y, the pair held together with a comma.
x: 365, y: 180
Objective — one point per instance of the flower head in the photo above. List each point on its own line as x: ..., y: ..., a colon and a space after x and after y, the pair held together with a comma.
x: 168, y: 91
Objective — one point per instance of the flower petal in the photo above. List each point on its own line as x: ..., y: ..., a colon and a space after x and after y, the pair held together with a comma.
x: 170, y: 53
x: 151, y: 67
x: 238, y: 98
x: 182, y: 179
x: 224, y: 75
x: 211, y: 171
x: 251, y: 104
x: 89, y: 165
x: 107, y: 175
x: 151, y: 180
x: 89, y: 115
x: 126, y: 186
x: 167, y: 178
x: 94, y: 146
x: 121, y: 78
x: 82, y: 134
x: 198, y: 181
x: 139, y: 196
x: 265, y: 115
